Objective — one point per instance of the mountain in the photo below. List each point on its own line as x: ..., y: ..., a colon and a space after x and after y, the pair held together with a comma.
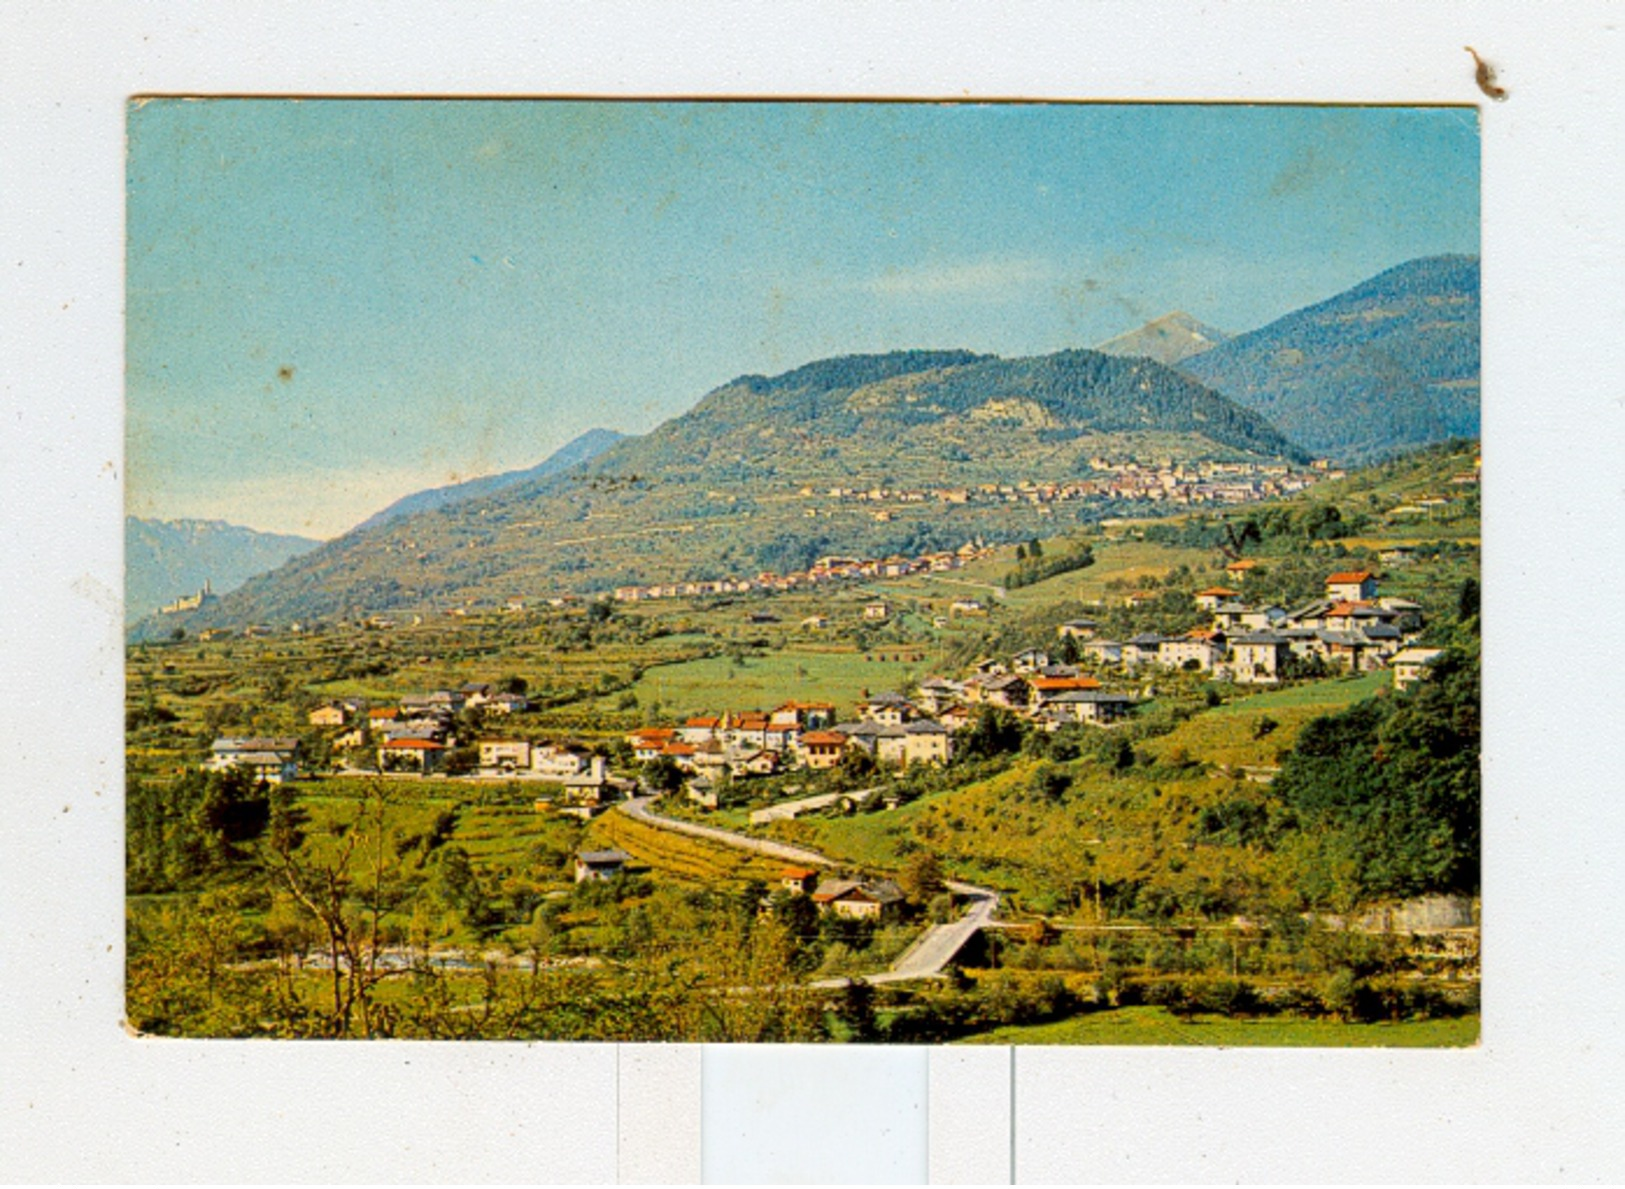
x: 579, y: 450
x: 1169, y: 339
x: 765, y: 473
x: 165, y: 559
x: 1390, y: 364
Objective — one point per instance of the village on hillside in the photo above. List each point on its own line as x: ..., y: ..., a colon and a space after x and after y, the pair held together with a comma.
x: 1352, y: 629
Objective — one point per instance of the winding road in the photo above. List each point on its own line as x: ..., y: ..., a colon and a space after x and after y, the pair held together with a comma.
x: 934, y: 948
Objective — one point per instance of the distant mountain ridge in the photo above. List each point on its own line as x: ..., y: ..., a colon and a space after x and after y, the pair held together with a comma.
x: 165, y: 559
x: 1390, y: 364
x: 575, y: 452
x: 744, y: 479
x: 1169, y: 339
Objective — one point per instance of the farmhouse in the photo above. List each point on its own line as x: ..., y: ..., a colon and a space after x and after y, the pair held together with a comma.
x: 800, y: 880
x: 877, y: 900
x: 273, y: 760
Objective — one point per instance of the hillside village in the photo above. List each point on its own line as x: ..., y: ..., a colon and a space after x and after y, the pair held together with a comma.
x: 1353, y: 629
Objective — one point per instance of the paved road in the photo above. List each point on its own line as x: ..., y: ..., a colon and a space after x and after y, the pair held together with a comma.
x: 934, y: 948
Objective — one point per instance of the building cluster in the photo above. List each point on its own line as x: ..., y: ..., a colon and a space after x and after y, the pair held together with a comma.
x: 822, y: 572
x: 414, y: 734
x: 1164, y: 482
x: 1351, y: 627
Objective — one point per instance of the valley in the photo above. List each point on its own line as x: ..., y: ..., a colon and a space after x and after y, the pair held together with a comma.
x: 1150, y: 733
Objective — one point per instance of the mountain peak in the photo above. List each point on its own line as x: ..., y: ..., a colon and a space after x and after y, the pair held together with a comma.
x: 1170, y: 339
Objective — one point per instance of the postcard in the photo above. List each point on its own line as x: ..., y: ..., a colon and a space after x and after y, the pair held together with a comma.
x: 850, y: 572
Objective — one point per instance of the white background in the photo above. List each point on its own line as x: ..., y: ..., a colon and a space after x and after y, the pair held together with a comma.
x: 1538, y: 1100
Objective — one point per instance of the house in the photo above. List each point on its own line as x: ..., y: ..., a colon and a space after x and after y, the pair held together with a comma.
x: 649, y: 743
x: 936, y: 695
x: 757, y: 763
x: 967, y: 607
x: 1242, y: 567
x: 407, y: 754
x: 1029, y: 660
x: 354, y: 737
x: 794, y: 716
x: 1261, y: 619
x: 600, y: 865
x: 476, y: 693
x: 1046, y: 689
x: 504, y: 755
x: 1077, y: 629
x: 1349, y: 649
x: 1142, y: 649
x: 876, y: 900
x: 1353, y: 586
x: 1102, y: 652
x: 877, y: 611
x: 329, y: 714
x: 823, y: 749
x: 507, y: 704
x: 590, y: 787
x: 890, y: 708
x: 926, y: 742
x: 1411, y: 665
x: 800, y: 880
x: 682, y: 754
x: 700, y: 729
x: 1007, y: 690
x: 749, y: 729
x: 1094, y: 706
x: 269, y: 759
x: 1210, y: 598
x: 1258, y: 658
x: 556, y: 762
x: 1139, y: 598
x: 955, y: 718
x: 1201, y: 651
x: 383, y: 715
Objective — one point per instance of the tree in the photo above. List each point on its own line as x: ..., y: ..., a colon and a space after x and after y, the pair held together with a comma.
x: 921, y: 877
x: 994, y: 732
x: 662, y: 775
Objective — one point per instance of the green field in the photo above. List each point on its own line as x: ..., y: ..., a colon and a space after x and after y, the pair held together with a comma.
x: 762, y: 682
x: 1158, y: 1026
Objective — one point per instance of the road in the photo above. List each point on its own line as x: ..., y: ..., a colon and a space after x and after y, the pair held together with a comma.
x: 931, y: 951
x: 638, y: 807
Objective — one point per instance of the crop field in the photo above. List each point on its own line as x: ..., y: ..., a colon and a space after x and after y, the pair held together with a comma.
x: 690, y: 859
x: 764, y: 681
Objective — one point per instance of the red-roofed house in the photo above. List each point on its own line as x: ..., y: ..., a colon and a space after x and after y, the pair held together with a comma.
x: 418, y: 755
x: 823, y: 749
x: 1210, y: 598
x: 1355, y: 586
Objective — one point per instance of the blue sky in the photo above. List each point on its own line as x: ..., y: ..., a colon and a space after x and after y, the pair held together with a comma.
x: 334, y: 303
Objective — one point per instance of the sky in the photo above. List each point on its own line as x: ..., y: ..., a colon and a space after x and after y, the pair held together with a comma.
x: 334, y: 303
